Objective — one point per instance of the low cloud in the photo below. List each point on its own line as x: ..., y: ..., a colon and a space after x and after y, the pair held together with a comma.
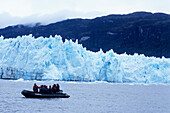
x: 7, y: 20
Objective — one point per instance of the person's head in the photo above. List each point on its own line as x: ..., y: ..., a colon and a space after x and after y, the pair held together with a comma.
x: 34, y: 84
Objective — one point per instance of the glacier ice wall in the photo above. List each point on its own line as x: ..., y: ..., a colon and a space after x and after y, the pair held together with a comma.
x: 51, y: 58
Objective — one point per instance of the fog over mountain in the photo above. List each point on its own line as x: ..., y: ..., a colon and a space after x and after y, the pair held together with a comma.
x: 140, y: 32
x: 9, y: 20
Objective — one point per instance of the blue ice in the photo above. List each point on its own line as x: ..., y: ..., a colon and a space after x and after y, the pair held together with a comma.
x: 51, y: 58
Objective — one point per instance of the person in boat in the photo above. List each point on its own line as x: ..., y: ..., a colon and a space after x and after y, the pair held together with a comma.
x: 54, y: 88
x: 50, y: 89
x: 35, y: 88
x: 57, y: 87
x: 44, y: 89
x: 41, y: 89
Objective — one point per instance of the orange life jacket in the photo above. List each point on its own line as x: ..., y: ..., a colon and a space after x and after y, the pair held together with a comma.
x: 35, y: 87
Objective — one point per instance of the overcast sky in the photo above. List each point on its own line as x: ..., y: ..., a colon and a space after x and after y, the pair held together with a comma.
x: 47, y: 11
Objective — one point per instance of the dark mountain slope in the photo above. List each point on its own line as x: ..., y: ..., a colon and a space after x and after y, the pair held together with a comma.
x: 140, y: 32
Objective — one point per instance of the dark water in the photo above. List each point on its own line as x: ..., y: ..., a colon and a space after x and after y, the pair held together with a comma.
x: 98, y: 97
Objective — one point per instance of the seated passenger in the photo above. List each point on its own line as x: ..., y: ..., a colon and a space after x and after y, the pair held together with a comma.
x: 43, y: 89
x: 35, y: 88
x: 50, y: 89
x: 57, y: 87
x: 54, y: 88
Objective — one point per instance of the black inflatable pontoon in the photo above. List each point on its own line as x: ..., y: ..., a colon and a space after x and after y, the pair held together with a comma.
x: 31, y: 94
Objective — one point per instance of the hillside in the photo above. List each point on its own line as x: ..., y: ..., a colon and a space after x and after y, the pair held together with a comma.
x: 139, y: 32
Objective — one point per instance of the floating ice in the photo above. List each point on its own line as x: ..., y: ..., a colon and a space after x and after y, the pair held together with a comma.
x: 51, y: 58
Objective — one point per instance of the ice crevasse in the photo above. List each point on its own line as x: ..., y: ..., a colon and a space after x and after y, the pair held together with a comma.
x: 24, y: 57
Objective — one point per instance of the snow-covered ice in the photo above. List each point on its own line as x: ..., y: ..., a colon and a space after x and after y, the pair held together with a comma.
x: 51, y: 58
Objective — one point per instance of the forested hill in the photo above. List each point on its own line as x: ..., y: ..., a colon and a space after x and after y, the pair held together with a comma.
x: 139, y: 32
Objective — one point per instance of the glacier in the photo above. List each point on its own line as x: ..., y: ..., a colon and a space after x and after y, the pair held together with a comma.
x: 44, y: 58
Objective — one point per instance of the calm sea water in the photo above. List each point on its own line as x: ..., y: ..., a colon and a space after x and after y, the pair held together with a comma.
x: 96, y: 97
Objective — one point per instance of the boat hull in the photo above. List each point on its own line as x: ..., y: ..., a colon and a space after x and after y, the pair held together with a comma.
x: 31, y: 94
